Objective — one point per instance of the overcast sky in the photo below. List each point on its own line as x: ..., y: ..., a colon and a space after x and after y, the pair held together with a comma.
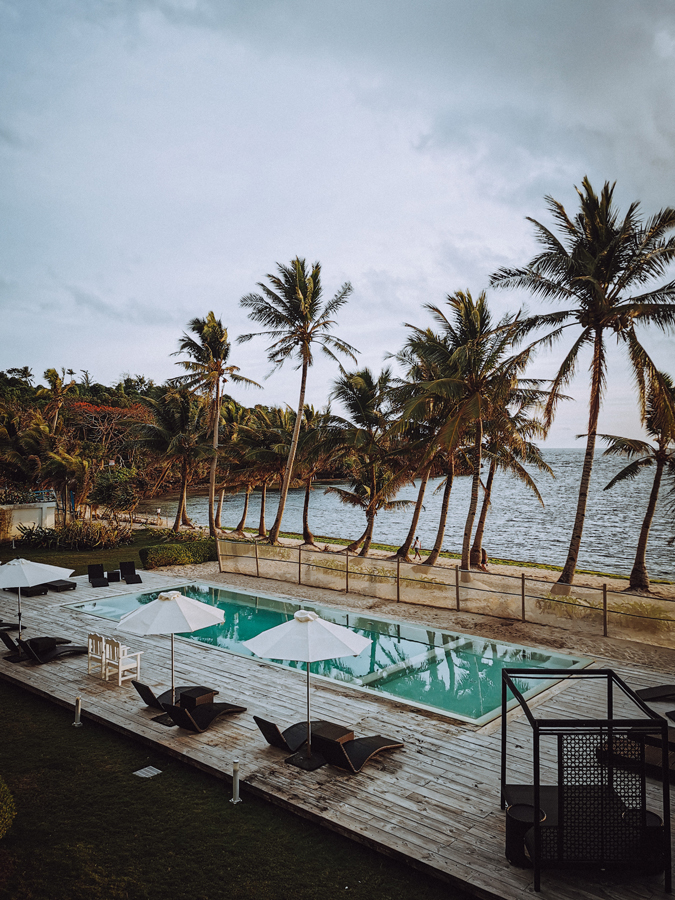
x: 159, y: 157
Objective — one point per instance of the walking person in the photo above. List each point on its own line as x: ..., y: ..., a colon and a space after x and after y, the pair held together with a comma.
x: 417, y: 546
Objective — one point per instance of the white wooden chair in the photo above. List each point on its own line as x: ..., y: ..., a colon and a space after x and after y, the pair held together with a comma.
x: 95, y: 652
x: 118, y: 659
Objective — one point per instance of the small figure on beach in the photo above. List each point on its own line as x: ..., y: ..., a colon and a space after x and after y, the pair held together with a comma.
x: 417, y: 546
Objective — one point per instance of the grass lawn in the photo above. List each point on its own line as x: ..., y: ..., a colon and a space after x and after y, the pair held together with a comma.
x: 80, y: 559
x: 86, y: 827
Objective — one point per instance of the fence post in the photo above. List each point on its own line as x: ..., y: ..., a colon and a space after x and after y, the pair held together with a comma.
x: 299, y: 565
x: 604, y: 610
x: 398, y: 579
x: 347, y: 572
x: 457, y: 587
x: 257, y: 563
x: 218, y: 557
x: 522, y: 596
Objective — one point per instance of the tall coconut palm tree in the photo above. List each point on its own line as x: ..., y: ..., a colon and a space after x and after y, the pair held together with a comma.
x: 208, y: 349
x: 319, y: 444
x: 56, y: 393
x: 180, y: 433
x: 370, y: 453
x: 295, y: 318
x: 602, y: 268
x: 660, y: 426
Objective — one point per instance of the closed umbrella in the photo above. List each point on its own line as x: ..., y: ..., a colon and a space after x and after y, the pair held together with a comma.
x: 171, y: 613
x: 307, y: 638
x: 22, y: 573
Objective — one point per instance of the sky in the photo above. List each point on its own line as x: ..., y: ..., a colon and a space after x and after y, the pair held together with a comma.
x: 158, y: 158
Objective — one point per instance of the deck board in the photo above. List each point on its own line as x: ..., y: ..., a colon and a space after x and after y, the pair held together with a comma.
x: 433, y: 804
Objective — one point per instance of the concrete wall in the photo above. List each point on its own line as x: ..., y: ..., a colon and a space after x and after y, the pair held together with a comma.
x: 42, y: 515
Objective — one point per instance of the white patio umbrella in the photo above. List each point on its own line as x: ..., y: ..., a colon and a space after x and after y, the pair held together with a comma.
x: 307, y: 638
x: 22, y: 573
x: 171, y: 613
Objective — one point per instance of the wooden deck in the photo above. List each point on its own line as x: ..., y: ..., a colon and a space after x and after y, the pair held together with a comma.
x: 434, y: 804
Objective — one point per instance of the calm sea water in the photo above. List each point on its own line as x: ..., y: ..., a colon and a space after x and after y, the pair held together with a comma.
x: 517, y: 528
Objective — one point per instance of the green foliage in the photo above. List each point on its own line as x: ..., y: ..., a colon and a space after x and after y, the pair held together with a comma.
x: 115, y: 489
x: 169, y: 536
x: 7, y: 809
x: 184, y: 554
x: 77, y: 535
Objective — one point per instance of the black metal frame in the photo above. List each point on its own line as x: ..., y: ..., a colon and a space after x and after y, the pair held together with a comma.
x: 583, y: 829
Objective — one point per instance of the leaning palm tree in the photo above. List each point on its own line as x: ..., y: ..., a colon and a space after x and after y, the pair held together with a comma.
x: 208, y: 352
x: 660, y: 425
x: 291, y: 310
x: 56, y: 393
x: 602, y: 268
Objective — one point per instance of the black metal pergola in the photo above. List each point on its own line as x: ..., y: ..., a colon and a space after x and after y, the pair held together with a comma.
x: 594, y: 813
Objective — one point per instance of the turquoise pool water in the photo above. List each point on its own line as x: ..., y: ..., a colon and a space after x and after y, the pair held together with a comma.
x: 456, y: 674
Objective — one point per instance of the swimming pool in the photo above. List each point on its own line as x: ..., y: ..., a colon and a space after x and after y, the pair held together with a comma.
x: 458, y: 675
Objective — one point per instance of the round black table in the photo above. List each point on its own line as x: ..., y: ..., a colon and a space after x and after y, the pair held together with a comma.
x: 519, y: 820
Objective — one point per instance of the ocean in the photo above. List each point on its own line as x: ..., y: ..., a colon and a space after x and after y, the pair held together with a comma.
x: 517, y: 528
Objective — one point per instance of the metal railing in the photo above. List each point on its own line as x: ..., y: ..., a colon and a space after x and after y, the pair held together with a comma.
x: 598, y: 610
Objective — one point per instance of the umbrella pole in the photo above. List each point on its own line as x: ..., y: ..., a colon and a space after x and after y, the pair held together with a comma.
x: 173, y: 689
x: 19, y: 590
x: 309, y: 727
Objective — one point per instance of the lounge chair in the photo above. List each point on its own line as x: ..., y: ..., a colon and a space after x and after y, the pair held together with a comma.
x: 41, y: 644
x: 291, y: 739
x: 352, y: 755
x: 129, y: 574
x: 36, y: 591
x: 660, y: 692
x: 48, y: 655
x: 157, y: 702
x: 203, y: 715
x: 9, y: 626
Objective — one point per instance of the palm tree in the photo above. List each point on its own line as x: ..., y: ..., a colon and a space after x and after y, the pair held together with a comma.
x: 600, y: 268
x: 660, y: 425
x: 208, y: 352
x: 318, y: 445
x: 370, y: 452
x: 56, y: 392
x: 291, y: 310
x: 180, y: 433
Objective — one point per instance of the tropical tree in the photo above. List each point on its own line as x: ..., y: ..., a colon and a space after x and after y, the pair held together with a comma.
x: 291, y: 310
x: 602, y: 268
x: 180, y: 433
x: 660, y: 426
x: 208, y: 349
x: 319, y: 444
x: 56, y: 393
x: 370, y: 454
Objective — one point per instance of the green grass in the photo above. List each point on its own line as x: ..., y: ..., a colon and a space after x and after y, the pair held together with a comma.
x: 80, y: 559
x: 86, y: 827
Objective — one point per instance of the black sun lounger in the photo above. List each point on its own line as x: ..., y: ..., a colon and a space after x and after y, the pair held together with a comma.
x: 55, y: 653
x: 353, y: 755
x: 40, y: 644
x: 129, y: 574
x: 157, y: 702
x: 291, y: 739
x: 199, y: 718
x: 36, y: 591
x: 9, y: 626
x: 660, y: 692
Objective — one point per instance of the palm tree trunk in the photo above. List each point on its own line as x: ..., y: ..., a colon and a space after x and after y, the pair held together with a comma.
x: 262, y: 531
x: 288, y: 474
x: 214, y: 461
x: 354, y: 546
x: 307, y: 536
x: 182, y: 502
x: 440, y: 534
x: 404, y: 549
x: 567, y: 574
x: 639, y: 579
x: 477, y: 546
x: 242, y: 522
x: 368, y: 535
x: 473, y: 503
x: 219, y: 511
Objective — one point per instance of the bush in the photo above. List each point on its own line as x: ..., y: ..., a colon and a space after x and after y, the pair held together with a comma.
x: 77, y: 535
x: 178, y: 554
x: 7, y: 809
x: 169, y: 536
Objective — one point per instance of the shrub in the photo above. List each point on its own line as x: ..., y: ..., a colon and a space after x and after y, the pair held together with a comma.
x: 7, y: 809
x: 169, y: 536
x: 77, y: 535
x: 184, y: 554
